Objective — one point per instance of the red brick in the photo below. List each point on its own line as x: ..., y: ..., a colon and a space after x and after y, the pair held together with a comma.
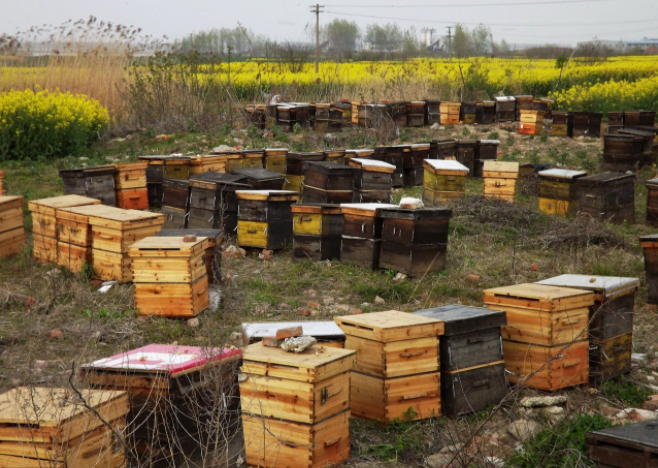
x: 284, y: 333
x: 271, y: 342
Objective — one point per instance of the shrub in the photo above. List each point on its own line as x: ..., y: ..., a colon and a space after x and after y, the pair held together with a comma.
x: 48, y: 124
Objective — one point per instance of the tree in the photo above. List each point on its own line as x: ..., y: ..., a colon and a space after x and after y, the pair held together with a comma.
x: 387, y: 38
x: 342, y: 36
x: 410, y: 43
x: 461, y: 43
x: 480, y: 40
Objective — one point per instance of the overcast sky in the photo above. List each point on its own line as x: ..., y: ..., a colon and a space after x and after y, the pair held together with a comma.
x: 520, y: 22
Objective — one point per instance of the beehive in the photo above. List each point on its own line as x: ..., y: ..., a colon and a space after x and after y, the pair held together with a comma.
x: 414, y: 241
x: 373, y: 180
x: 113, y: 233
x: 484, y: 151
x: 296, y: 406
x: 470, y: 357
x: 646, y: 148
x: 265, y: 218
x: 362, y: 230
x: 213, y: 254
x: 395, y: 156
x: 443, y: 180
x: 170, y: 276
x: 202, y: 163
x: 336, y: 156
x: 130, y: 186
x: 94, y: 182
x: 261, y: 179
x: 367, y: 115
x: 317, y: 232
x: 432, y: 112
x: 171, y: 413
x: 413, y: 164
x: 531, y: 122
x: 177, y: 167
x: 505, y: 108
x: 608, y: 196
x: 450, y: 112
x: 445, y: 148
x: 622, y: 152
x: 398, y: 112
x: 485, y: 112
x: 545, y: 341
x: 12, y: 232
x: 154, y: 177
x: 466, y: 154
x: 49, y: 427
x: 275, y: 160
x: 522, y: 103
x: 44, y: 223
x: 559, y: 191
x: 500, y: 179
x: 396, y: 375
x: 415, y: 113
x: 328, y: 182
x: 652, y: 203
x: 627, y: 446
x: 561, y: 124
x: 649, y: 244
x: 610, y: 321
x: 467, y: 112
x: 213, y: 203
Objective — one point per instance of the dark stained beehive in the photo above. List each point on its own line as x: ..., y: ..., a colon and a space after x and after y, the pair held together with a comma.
x: 609, y: 196
x: 628, y: 446
x: 362, y: 228
x: 432, y: 112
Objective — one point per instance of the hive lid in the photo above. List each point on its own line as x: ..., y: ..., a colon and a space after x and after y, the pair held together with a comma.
x: 5, y: 199
x: 489, y: 142
x: 491, y: 165
x: 122, y: 215
x: 305, y: 156
x: 445, y: 165
x: 366, y: 209
x: 259, y: 174
x: 372, y: 165
x: 425, y: 213
x: 49, y: 205
x: 605, y: 177
x: 312, y: 328
x: 539, y: 297
x: 272, y: 195
x: 636, y: 436
x: 153, y: 157
x: 504, y: 98
x: 86, y: 210
x: 328, y: 167
x: 167, y: 247
x: 462, y: 319
x: 133, y: 166
x: 391, y: 325
x: 221, y: 178
x: 607, y: 285
x: 317, y: 208
x: 562, y: 174
x: 157, y: 358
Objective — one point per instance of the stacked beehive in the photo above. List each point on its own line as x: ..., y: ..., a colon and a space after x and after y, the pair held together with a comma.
x: 362, y: 233
x: 414, y: 241
x: 652, y: 203
x: 531, y: 122
x: 175, y: 202
x: 639, y: 118
x: 395, y: 156
x: 295, y: 168
x: 580, y: 124
x: 170, y: 276
x: 233, y: 160
x: 212, y: 203
x: 505, y: 108
x: 415, y: 113
x: 44, y: 223
x: 559, y: 191
x: 113, y: 233
x: 93, y: 182
x: 75, y: 237
x: 12, y: 232
x: 485, y: 150
x: 560, y: 126
x: 594, y: 130
x: 466, y: 154
x: 51, y: 427
x: 485, y: 112
x: 256, y: 115
x: 608, y: 196
x: 610, y: 322
x: 154, y: 177
x: 275, y: 159
x: 130, y: 186
x: 432, y: 112
x: 615, y: 121
x: 522, y: 103
x: 649, y: 244
x: 172, y: 412
x: 372, y: 182
x: 450, y: 112
x: 500, y: 179
x: 253, y: 158
x: 335, y: 155
x: 446, y: 149
x: 627, y: 446
x: 338, y: 116
x: 398, y: 112
x: 545, y: 342
x: 467, y: 112
x: 647, y: 137
x: 177, y: 167
x: 368, y: 115
x: 261, y: 179
x: 443, y: 180
x: 265, y: 218
x: 622, y: 152
x: 328, y: 183
x: 321, y: 121
x: 470, y: 358
x: 396, y: 375
x: 209, y: 162
x: 317, y: 230
x: 296, y: 406
x: 414, y: 171
x: 213, y: 255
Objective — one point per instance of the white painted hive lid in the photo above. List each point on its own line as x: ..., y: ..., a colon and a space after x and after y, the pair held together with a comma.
x: 608, y: 285
x: 447, y: 165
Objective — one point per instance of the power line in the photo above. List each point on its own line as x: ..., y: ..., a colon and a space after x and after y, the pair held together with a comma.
x: 479, y: 5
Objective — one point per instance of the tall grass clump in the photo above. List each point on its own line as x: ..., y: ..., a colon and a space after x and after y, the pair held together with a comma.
x: 46, y: 124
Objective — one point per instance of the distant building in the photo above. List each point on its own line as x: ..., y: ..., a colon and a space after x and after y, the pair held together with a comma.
x: 620, y: 47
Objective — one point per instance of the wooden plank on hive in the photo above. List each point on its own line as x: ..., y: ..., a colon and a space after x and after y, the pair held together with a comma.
x: 391, y: 325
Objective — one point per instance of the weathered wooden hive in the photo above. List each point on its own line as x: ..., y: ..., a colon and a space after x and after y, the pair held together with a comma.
x: 622, y: 152
x: 414, y: 171
x: 466, y: 154
x: 608, y: 196
x: 44, y: 223
x: 398, y: 113
x: 522, y: 103
x: 531, y: 122
x: 450, y: 112
x: 647, y: 158
x: 213, y: 203
x: 500, y: 179
x: 113, y: 234
x: 328, y: 183
x: 372, y: 182
x: 635, y: 118
x: 175, y: 203
x: 615, y: 121
x: 170, y: 276
x: 275, y: 159
x: 414, y: 241
x: 467, y: 112
x: 170, y: 392
x: 443, y: 180
x: 321, y: 121
x: 56, y: 427
x: 415, y: 113
x: 362, y: 233
x: 484, y: 150
x: 396, y: 375
x: 432, y: 112
x: 628, y: 446
x: 446, y: 148
x: 369, y: 114
x: 265, y: 218
x: 93, y: 182
x: 154, y: 177
x: 471, y: 358
x: 130, y: 186
x: 652, y: 203
x: 296, y: 406
x: 580, y: 124
x: 560, y: 126
x: 177, y: 167
x: 335, y: 155
x: 12, y: 232
x: 262, y: 179
x: 213, y: 255
x: 485, y: 113
x: 317, y: 230
x: 505, y: 108
x: 295, y: 168
x: 594, y: 130
x: 559, y: 192
x: 208, y: 162
x: 545, y: 341
x: 610, y: 322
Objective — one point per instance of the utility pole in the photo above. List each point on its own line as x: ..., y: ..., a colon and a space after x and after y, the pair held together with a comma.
x: 492, y: 45
x: 450, y: 42
x: 317, y: 10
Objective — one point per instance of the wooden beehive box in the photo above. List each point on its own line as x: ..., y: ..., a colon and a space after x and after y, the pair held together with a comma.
x: 559, y: 191
x: 628, y: 446
x: 113, y: 233
x: 213, y: 203
x: 546, y: 337
x: 275, y: 160
x: 649, y: 244
x: 177, y: 167
x: 414, y: 173
x: 484, y: 150
x: 505, y: 108
x: 12, y: 232
x: 176, y: 193
x: 397, y: 365
x: 466, y: 154
x: 330, y: 176
x: 362, y: 228
x: 327, y: 333
x: 414, y: 241
x: 471, y: 358
x: 450, y: 112
x: 295, y: 161
x: 316, y: 195
x: 296, y: 406
x: 51, y: 427
x: 335, y: 156
x: 175, y: 218
x: 253, y: 158
x: 652, y: 203
x: 202, y: 163
x: 130, y: 186
x: 170, y: 276
x: 432, y: 112
x: 372, y: 174
x: 262, y: 179
x: 445, y: 148
x: 94, y: 182
x: 523, y: 102
x: 169, y: 387
x: 608, y: 196
x: 415, y: 113
x: 155, y: 168
x: 213, y: 252
x: 317, y: 231
x: 265, y: 218
x: 443, y: 180
x: 500, y: 179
